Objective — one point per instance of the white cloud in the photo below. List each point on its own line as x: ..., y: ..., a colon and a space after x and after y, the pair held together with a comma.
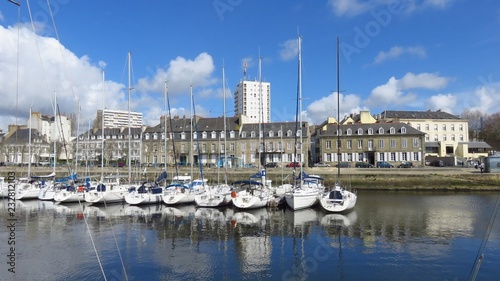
x: 43, y: 70
x: 180, y: 73
x: 289, y: 49
x: 443, y: 102
x: 351, y: 8
x: 392, y: 93
x: 398, y: 51
x: 319, y: 110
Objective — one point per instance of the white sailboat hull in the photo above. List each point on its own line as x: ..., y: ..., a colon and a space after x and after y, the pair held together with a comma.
x: 135, y: 198
x: 46, y: 193
x: 115, y: 195
x: 213, y: 200
x: 176, y: 198
x: 64, y: 196
x: 246, y: 200
x: 301, y: 198
x: 338, y: 201
x: 27, y: 191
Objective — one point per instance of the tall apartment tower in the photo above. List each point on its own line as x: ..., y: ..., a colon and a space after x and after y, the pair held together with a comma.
x: 253, y: 99
x: 118, y: 119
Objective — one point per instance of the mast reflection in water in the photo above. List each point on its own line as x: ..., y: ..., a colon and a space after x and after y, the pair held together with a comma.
x: 388, y: 236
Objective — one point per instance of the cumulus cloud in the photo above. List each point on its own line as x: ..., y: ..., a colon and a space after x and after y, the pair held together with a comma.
x: 398, y: 51
x: 351, y: 8
x: 393, y: 92
x: 181, y: 73
x: 289, y: 49
x: 443, y: 102
x: 318, y: 110
x: 78, y: 81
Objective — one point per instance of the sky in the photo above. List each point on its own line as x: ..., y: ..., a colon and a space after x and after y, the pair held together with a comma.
x: 394, y: 55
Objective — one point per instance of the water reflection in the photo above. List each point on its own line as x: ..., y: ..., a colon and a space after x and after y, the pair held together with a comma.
x: 408, y: 235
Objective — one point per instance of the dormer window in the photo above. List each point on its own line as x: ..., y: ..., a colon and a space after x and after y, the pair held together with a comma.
x: 403, y: 130
x: 381, y: 131
x: 360, y: 131
x: 252, y: 134
x: 349, y: 132
x: 231, y: 135
x: 243, y: 134
x: 392, y: 131
x: 370, y: 131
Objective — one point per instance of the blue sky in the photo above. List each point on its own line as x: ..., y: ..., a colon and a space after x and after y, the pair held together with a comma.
x: 395, y: 55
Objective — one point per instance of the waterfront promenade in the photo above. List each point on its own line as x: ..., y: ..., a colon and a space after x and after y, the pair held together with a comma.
x: 418, y: 178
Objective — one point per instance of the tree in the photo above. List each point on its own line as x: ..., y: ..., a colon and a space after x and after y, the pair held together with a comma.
x: 475, y: 123
x: 491, y: 130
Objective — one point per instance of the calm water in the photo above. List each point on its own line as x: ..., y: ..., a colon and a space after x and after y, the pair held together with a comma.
x: 389, y: 236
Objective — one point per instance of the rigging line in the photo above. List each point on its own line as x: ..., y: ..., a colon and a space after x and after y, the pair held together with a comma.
x: 60, y: 50
x: 116, y: 243
x: 480, y: 253
x: 171, y: 130
x: 38, y: 48
x: 63, y: 141
x: 92, y: 241
x: 197, y: 139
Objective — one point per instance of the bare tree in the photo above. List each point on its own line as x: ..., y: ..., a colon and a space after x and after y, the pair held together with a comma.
x: 475, y: 122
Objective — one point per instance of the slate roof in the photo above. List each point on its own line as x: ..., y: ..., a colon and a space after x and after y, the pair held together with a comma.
x: 332, y: 129
x: 399, y: 114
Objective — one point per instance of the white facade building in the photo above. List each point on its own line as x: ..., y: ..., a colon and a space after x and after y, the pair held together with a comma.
x: 253, y: 99
x: 115, y: 119
x: 52, y: 129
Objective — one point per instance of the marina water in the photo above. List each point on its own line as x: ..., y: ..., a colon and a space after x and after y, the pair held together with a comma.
x: 388, y: 236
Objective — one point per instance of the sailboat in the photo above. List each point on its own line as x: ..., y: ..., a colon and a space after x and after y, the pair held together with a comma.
x: 147, y: 193
x: 302, y: 196
x: 338, y: 199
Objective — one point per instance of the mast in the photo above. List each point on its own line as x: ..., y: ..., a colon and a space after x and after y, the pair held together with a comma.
x: 338, y: 112
x: 165, y: 124
x: 54, y: 131
x: 191, y: 156
x: 29, y: 147
x: 102, y: 132
x: 224, y: 117
x: 298, y: 116
x: 129, y: 121
x: 77, y: 136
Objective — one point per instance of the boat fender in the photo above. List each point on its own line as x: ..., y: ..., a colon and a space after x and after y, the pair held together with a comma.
x: 80, y: 188
x: 233, y: 194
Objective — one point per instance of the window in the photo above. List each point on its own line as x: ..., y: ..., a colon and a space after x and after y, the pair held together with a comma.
x: 427, y: 127
x: 204, y: 135
x: 289, y: 133
x: 231, y: 135
x: 243, y: 146
x: 252, y: 134
x: 370, y: 131
x: 436, y: 138
x: 461, y: 137
x: 360, y: 144
x: 404, y: 156
x: 381, y: 157
x: 403, y: 130
x: 460, y: 127
x: 195, y: 135
x: 299, y: 132
x: 349, y: 144
x: 183, y: 136
x: 415, y: 142
x: 213, y: 147
x: 222, y: 135
x: 155, y: 136
x: 427, y: 137
x: 360, y: 131
x: 418, y: 127
x: 381, y: 143
x: 204, y: 148
x: 146, y: 136
x: 404, y: 143
x: 328, y: 144
x: 231, y: 146
x: 453, y: 137
x: 392, y: 156
x: 339, y: 144
x: 452, y: 127
x: 370, y: 144
x: 393, y: 143
x: 415, y: 156
x: 289, y: 145
x: 243, y: 134
x: 271, y: 134
x: 381, y: 131
x: 349, y: 132
x: 435, y: 127
x: 214, y: 135
x: 444, y: 127
x: 444, y: 137
x: 280, y: 133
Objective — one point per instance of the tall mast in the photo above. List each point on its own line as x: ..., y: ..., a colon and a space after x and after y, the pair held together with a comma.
x: 102, y: 131
x: 54, y: 130
x: 338, y: 112
x: 29, y: 147
x: 77, y: 136
x: 224, y: 117
x: 165, y: 124
x: 191, y: 157
x: 129, y: 121
x: 300, y: 105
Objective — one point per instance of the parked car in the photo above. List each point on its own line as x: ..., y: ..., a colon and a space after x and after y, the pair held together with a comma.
x: 405, y: 164
x: 321, y: 164
x: 384, y: 164
x: 437, y: 163
x: 343, y: 165
x: 293, y: 164
x: 363, y: 165
x: 272, y: 165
